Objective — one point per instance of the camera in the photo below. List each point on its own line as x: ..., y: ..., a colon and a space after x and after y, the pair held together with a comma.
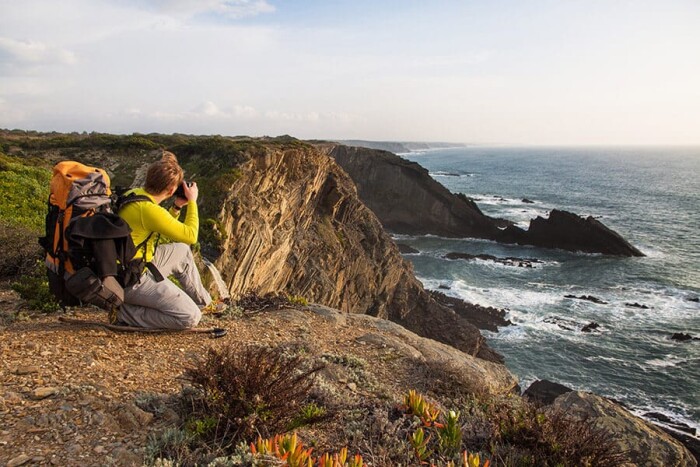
x: 180, y: 192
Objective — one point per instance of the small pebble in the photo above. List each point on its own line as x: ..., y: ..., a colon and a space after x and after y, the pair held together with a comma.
x: 43, y: 393
x: 19, y: 460
x: 26, y: 370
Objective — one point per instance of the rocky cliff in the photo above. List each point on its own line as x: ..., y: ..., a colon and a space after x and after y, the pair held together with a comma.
x: 293, y: 222
x: 408, y: 200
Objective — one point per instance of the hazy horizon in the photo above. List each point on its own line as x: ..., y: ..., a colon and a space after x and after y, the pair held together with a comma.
x: 502, y: 73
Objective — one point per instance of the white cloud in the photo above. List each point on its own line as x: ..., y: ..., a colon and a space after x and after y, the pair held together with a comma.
x: 206, y: 110
x: 293, y: 116
x: 245, y: 111
x: 33, y: 53
x: 232, y: 9
x: 209, y: 109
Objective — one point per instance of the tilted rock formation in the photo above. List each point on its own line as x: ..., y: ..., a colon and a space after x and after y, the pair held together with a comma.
x: 408, y: 200
x: 293, y: 223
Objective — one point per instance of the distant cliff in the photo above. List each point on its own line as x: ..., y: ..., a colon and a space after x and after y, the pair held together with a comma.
x: 408, y: 200
x: 397, y: 146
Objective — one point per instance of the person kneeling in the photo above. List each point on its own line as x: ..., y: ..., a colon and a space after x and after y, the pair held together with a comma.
x: 155, y: 302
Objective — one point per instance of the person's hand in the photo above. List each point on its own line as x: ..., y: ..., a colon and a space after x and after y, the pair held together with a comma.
x: 191, y: 191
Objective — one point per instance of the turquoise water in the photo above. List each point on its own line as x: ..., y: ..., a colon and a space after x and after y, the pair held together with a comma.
x: 651, y: 196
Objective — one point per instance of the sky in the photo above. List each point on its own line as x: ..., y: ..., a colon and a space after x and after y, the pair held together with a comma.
x: 521, y: 72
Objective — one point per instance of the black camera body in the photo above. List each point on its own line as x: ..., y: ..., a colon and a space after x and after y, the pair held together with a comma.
x: 180, y: 192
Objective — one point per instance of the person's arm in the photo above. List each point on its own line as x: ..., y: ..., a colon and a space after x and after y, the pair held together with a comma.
x: 158, y: 219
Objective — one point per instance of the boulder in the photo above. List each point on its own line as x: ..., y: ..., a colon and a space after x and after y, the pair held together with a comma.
x: 406, y: 249
x: 492, y: 377
x: 507, y: 261
x: 482, y: 317
x: 682, y: 337
x: 588, y: 298
x: 562, y: 323
x: 592, y: 326
x: 545, y: 391
x: 645, y: 444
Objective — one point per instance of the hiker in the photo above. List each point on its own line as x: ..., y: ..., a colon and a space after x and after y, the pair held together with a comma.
x: 155, y: 301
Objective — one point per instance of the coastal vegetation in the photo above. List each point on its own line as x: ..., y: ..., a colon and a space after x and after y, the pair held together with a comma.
x: 253, y: 406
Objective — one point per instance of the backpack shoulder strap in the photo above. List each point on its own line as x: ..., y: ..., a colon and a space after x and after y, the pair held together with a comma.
x: 123, y: 200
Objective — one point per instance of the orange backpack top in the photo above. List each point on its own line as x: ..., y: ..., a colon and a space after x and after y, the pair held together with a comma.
x: 77, y: 190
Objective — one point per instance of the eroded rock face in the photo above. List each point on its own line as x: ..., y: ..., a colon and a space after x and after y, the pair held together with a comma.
x: 646, y: 444
x: 294, y: 223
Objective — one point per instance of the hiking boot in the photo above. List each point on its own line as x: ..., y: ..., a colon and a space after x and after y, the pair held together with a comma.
x: 216, y: 307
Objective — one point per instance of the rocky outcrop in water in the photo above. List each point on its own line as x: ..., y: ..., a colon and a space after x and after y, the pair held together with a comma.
x: 508, y: 261
x: 588, y: 298
x: 568, y: 231
x: 408, y: 200
x: 482, y: 317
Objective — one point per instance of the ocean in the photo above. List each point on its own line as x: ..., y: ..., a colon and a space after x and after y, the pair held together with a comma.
x: 651, y: 196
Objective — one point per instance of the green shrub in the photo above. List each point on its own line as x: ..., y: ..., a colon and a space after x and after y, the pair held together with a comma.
x: 516, y: 432
x: 298, y: 300
x: 24, y: 194
x: 34, y: 288
x: 310, y: 413
x: 19, y: 250
x: 173, y: 444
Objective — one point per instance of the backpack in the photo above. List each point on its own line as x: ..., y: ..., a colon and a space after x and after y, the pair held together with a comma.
x: 88, y: 247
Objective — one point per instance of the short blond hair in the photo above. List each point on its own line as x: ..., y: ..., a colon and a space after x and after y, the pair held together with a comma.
x: 163, y: 174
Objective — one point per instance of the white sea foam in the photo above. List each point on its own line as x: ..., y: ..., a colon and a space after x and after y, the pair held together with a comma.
x: 675, y: 416
x: 602, y: 358
x: 652, y: 252
x: 443, y: 173
x: 667, y: 362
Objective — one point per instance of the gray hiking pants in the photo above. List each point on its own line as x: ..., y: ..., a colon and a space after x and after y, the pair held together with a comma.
x: 163, y: 304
